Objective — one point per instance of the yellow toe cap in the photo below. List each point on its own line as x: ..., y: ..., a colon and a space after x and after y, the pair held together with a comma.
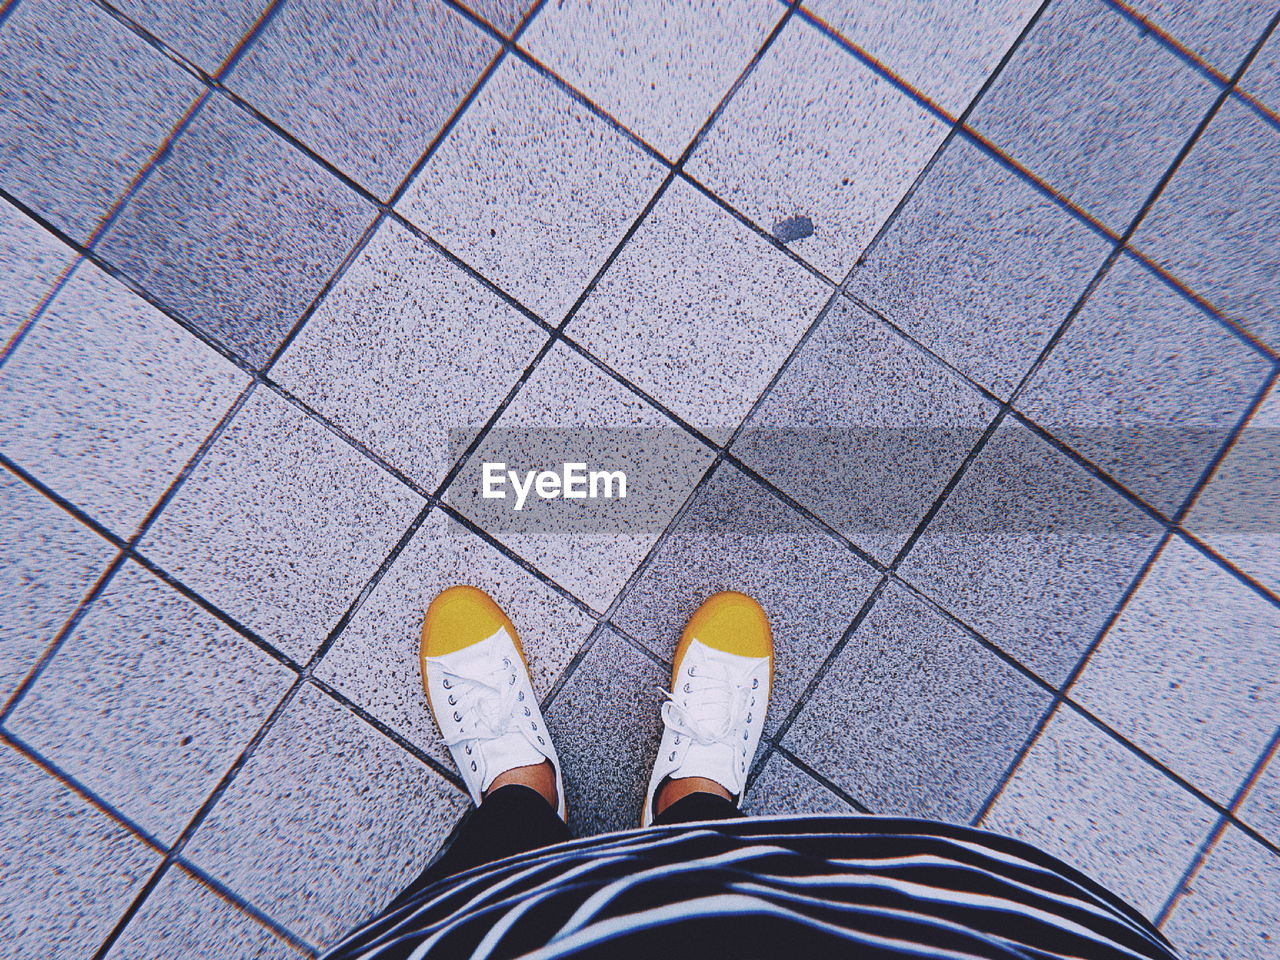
x: 459, y: 617
x: 731, y: 622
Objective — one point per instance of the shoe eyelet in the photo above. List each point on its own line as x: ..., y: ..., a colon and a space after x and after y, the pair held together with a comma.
x: 691, y: 673
x: 506, y: 661
x: 473, y: 766
x: 446, y: 684
x: 677, y: 741
x: 744, y: 734
x: 688, y: 689
x: 541, y: 741
x: 520, y: 697
x: 457, y: 717
x: 453, y: 701
x: 672, y: 757
x: 512, y: 681
x: 755, y: 683
x: 748, y: 718
x: 527, y: 713
x: 533, y: 726
x: 468, y: 751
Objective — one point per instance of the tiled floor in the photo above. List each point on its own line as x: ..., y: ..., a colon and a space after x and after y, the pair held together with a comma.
x: 948, y: 330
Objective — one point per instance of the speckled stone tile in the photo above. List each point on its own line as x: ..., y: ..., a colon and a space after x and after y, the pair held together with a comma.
x: 1146, y: 385
x: 607, y: 727
x: 504, y: 15
x: 33, y: 260
x: 1083, y: 797
x: 692, y: 285
x: 326, y: 822
x: 204, y: 33
x: 532, y: 189
x: 1031, y: 551
x: 945, y: 50
x: 1096, y: 106
x: 84, y: 103
x: 1191, y: 671
x: 1216, y: 226
x: 979, y: 267
x: 408, y: 354
x: 106, y: 399
x: 182, y: 917
x: 915, y: 716
x: 236, y: 230
x: 375, y: 659
x: 1238, y: 511
x: 592, y: 552
x: 1262, y: 80
x: 1228, y: 910
x: 1260, y: 807
x: 281, y: 525
x: 815, y: 133
x: 738, y: 536
x: 50, y: 562
x: 859, y: 394
x: 1220, y: 31
x: 658, y: 66
x: 783, y: 788
x: 151, y: 725
x: 368, y: 85
x: 69, y: 870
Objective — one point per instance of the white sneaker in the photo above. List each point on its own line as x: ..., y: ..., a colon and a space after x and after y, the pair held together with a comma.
x: 714, y: 715
x: 477, y: 684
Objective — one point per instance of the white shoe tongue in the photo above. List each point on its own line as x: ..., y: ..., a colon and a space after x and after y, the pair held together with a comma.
x: 714, y: 761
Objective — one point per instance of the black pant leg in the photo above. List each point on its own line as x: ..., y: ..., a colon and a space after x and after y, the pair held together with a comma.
x: 511, y: 820
x: 697, y: 806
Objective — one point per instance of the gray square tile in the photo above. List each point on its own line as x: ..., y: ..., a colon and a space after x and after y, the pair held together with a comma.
x: 505, y: 15
x: 737, y: 536
x: 783, y: 788
x: 1262, y: 80
x: 375, y: 659
x: 182, y: 917
x: 106, y: 399
x: 815, y: 133
x: 153, y: 724
x: 1190, y: 672
x: 532, y: 189
x: 658, y: 66
x: 1221, y: 31
x: 606, y: 725
x: 408, y: 354
x: 1096, y: 106
x: 569, y: 410
x: 50, y: 562
x: 1260, y: 807
x: 916, y: 717
x: 945, y: 50
x: 33, y: 259
x: 236, y: 230
x: 368, y: 85
x: 699, y: 311
x: 1146, y: 385
x: 979, y: 267
x: 69, y: 870
x: 281, y: 525
x: 1216, y: 226
x: 1238, y: 511
x: 1032, y: 551
x: 205, y: 33
x: 326, y: 822
x: 84, y: 103
x: 1081, y: 796
x: 1228, y: 911
x: 864, y: 428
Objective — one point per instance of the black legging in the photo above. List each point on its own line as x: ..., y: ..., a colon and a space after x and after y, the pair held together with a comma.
x: 516, y: 818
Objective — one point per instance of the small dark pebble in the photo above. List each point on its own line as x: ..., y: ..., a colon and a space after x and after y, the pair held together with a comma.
x: 793, y: 228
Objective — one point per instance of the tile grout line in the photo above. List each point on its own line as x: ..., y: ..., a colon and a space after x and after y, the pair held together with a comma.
x: 1202, y: 854
x: 820, y: 778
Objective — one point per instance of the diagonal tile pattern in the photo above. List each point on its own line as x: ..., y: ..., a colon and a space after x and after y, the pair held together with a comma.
x: 245, y: 436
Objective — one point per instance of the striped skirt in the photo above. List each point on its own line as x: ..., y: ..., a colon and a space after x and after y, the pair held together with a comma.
x: 777, y: 887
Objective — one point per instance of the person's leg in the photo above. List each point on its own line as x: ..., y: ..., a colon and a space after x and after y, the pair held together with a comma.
x: 696, y: 806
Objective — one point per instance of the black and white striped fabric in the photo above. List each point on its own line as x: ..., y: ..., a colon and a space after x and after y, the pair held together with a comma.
x: 790, y: 887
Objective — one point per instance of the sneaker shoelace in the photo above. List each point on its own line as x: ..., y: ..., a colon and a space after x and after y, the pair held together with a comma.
x: 724, y: 705
x: 484, y: 707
